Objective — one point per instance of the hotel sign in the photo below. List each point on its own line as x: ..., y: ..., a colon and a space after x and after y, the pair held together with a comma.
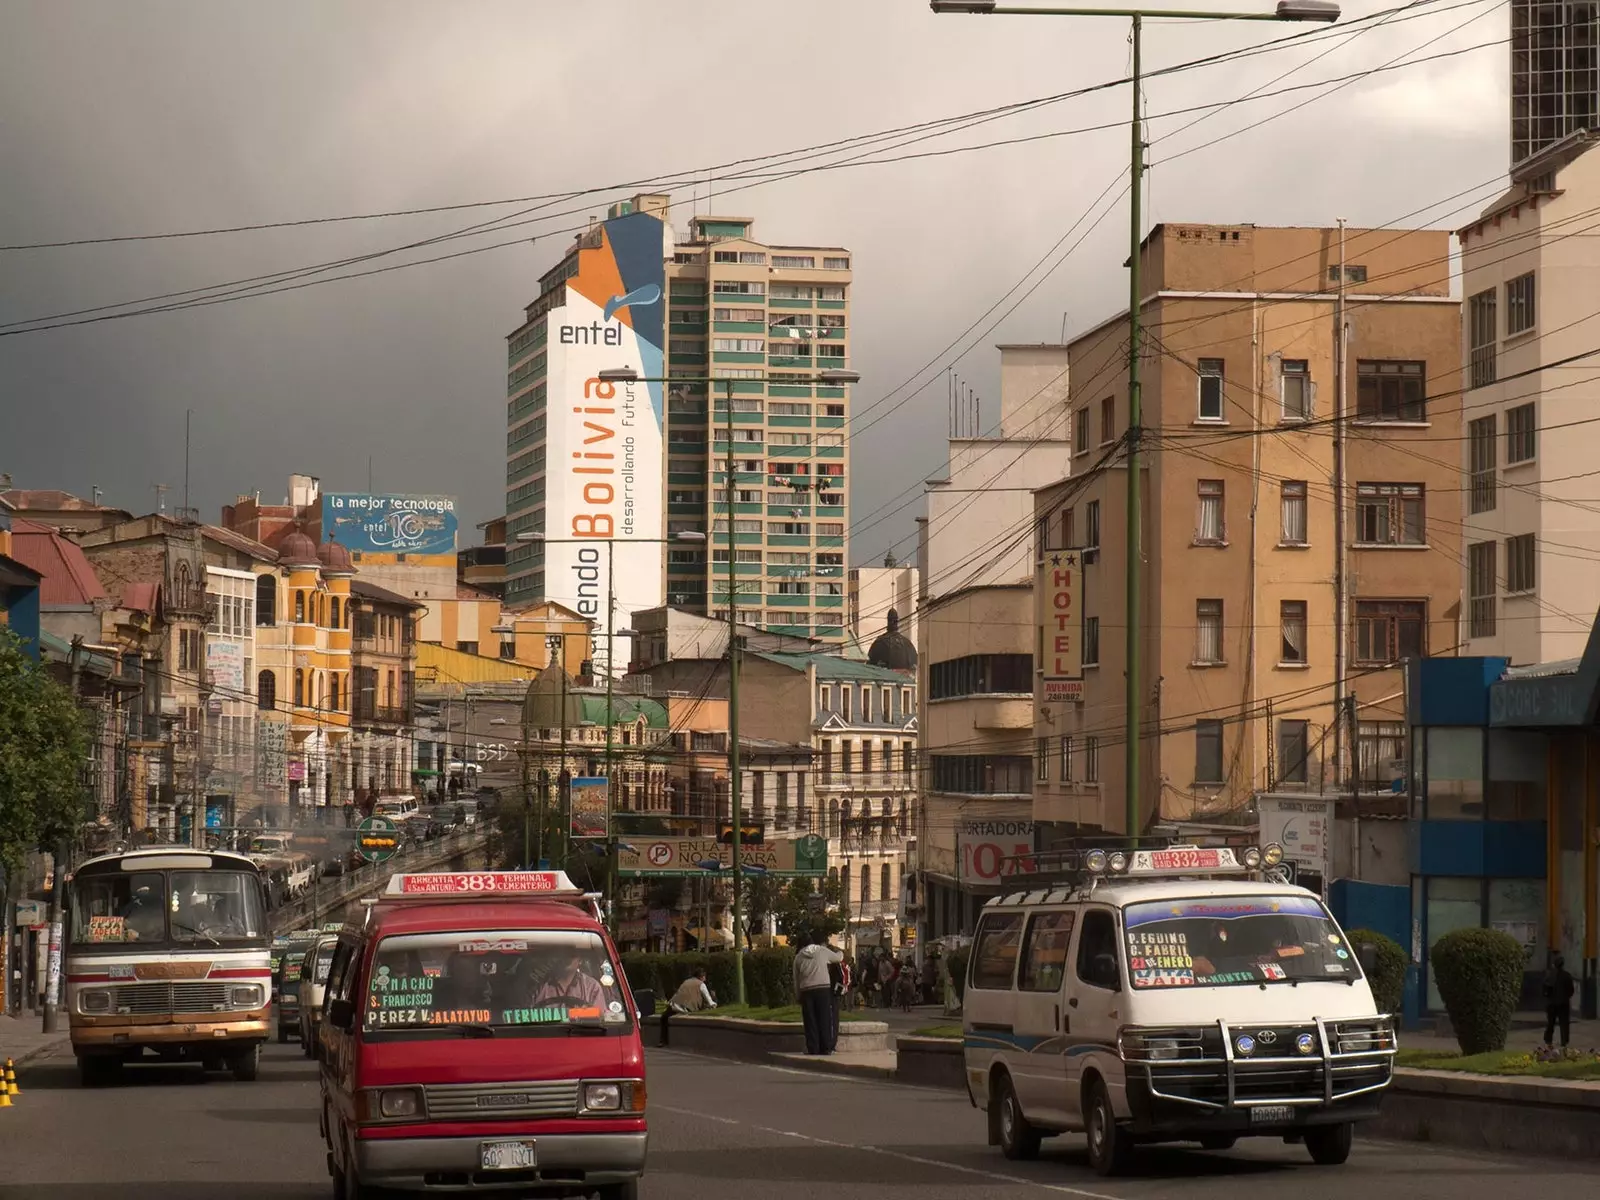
x: 1061, y: 613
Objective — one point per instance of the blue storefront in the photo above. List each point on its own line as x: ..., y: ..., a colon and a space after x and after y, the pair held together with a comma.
x: 1505, y: 772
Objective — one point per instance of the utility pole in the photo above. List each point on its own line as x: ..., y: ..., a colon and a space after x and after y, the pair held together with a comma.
x: 1134, y: 573
x: 1340, y: 562
x: 58, y: 885
x: 735, y: 800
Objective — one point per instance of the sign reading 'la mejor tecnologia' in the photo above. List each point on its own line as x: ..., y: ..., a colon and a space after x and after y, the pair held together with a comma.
x: 365, y: 524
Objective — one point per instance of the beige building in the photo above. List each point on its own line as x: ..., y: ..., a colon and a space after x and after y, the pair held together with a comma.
x: 1253, y: 619
x: 874, y: 591
x: 1531, y: 571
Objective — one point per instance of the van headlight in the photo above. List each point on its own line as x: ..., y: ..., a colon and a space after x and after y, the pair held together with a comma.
x: 247, y: 995
x: 399, y: 1104
x: 607, y: 1097
x: 96, y: 1001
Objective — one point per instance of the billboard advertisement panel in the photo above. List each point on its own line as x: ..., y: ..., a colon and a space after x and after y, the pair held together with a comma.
x: 604, y: 504
x: 1061, y: 611
x: 1301, y: 827
x: 806, y: 855
x: 986, y: 843
x: 410, y: 525
x: 590, y: 812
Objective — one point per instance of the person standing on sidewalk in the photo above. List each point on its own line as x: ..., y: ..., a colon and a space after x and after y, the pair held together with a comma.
x: 692, y: 995
x: 1558, y: 989
x: 814, y: 989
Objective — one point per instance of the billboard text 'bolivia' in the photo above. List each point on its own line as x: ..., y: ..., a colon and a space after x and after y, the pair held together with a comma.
x: 605, y: 439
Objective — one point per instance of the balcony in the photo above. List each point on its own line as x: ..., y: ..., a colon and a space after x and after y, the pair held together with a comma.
x: 381, y: 714
x: 862, y: 781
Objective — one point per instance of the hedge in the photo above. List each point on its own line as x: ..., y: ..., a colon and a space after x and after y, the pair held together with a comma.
x: 1479, y: 973
x: 768, y: 974
x: 1388, y: 978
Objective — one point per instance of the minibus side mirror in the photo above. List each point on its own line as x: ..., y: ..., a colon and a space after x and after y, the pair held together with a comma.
x: 1367, y: 956
x: 341, y: 1014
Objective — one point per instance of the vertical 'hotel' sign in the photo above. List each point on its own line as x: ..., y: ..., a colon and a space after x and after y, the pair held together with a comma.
x: 1062, y: 617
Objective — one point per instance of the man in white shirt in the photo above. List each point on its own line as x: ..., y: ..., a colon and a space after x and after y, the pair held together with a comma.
x: 692, y: 996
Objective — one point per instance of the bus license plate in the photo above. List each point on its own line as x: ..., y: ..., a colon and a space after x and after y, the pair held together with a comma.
x: 506, y: 1156
x: 1271, y: 1114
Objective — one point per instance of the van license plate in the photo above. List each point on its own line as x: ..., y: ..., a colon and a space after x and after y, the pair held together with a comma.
x: 1271, y: 1114
x: 506, y: 1156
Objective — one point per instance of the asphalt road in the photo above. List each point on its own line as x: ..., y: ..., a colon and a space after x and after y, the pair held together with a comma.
x: 719, y: 1131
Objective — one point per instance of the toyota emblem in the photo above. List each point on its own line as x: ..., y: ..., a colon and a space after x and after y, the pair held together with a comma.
x: 1266, y: 1036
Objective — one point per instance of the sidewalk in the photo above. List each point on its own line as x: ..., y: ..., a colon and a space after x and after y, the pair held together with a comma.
x: 22, y: 1039
x: 1523, y: 1036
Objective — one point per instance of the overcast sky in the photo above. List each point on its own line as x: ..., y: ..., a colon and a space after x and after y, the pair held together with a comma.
x: 146, y: 117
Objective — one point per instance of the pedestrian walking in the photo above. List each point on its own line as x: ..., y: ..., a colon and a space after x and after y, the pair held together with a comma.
x: 814, y: 988
x: 692, y: 995
x: 906, y: 988
x: 1558, y: 989
x: 840, y: 975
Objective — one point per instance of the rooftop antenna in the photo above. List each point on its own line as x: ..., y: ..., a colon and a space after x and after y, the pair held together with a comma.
x: 161, y: 496
x: 369, y: 474
x: 950, y: 401
x: 94, y: 495
x: 188, y: 414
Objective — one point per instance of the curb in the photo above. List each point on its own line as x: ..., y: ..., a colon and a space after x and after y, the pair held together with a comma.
x: 28, y: 1056
x: 823, y: 1064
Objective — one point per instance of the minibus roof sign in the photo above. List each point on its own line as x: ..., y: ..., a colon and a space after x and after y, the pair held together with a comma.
x: 482, y: 885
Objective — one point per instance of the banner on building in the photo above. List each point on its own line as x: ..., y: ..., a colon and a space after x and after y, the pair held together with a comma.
x: 704, y: 856
x: 590, y: 816
x: 1061, y: 614
x: 603, y: 504
x: 363, y: 524
x: 272, y: 755
x: 225, y: 667
x: 986, y: 844
x: 1302, y: 826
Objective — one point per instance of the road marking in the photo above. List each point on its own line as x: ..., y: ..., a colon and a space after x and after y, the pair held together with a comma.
x: 919, y: 1160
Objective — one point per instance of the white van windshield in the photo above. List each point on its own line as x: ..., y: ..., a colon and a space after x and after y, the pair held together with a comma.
x: 1223, y: 940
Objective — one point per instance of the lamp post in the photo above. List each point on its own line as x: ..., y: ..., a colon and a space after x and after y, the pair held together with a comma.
x: 1286, y: 10
x: 611, y: 675
x: 735, y: 783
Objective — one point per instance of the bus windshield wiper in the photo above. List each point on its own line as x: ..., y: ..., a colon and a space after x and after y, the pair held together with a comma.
x: 197, y: 932
x: 472, y: 1029
x: 594, y: 1030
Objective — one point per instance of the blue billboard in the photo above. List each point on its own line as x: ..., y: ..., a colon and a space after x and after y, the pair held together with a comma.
x: 365, y: 524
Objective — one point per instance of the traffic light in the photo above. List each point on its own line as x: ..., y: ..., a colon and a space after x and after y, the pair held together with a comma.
x: 750, y: 833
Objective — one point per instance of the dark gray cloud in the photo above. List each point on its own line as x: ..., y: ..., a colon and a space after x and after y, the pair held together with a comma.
x: 156, y: 116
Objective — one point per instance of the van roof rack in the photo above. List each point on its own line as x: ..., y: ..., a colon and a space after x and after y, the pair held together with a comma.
x: 1076, y: 867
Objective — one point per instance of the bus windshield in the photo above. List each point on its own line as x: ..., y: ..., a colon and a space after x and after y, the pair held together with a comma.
x: 513, y: 982
x: 187, y: 908
x: 1224, y: 940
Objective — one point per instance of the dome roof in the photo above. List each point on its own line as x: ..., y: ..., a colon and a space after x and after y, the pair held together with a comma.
x: 297, y: 550
x: 333, y: 556
x: 893, y: 649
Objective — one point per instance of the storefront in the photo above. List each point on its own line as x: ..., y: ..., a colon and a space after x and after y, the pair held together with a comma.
x: 1505, y: 771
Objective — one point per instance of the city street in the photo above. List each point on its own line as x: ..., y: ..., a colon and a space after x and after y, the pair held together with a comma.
x: 719, y: 1131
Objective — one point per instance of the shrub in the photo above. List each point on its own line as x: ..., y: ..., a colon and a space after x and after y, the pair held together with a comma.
x: 640, y: 968
x: 1479, y: 973
x: 769, y: 977
x: 957, y: 961
x: 1388, y: 977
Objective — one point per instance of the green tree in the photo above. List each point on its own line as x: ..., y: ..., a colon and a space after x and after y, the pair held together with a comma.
x: 809, y: 909
x: 43, y: 745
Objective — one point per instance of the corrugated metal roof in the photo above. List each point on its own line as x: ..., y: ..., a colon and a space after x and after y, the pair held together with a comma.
x: 67, y: 579
x: 1565, y: 666
x: 831, y: 666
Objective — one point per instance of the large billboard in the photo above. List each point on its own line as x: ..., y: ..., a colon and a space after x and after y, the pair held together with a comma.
x: 807, y: 855
x: 424, y: 526
x: 992, y: 849
x: 603, y: 500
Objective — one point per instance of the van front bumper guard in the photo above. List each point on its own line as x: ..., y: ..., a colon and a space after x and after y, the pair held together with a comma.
x: 1245, y: 1066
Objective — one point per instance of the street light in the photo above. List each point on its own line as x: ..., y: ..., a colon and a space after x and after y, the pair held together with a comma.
x: 1287, y: 10
x: 829, y: 378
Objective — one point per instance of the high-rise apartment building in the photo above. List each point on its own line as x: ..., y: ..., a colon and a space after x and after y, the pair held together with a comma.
x: 1555, y: 73
x: 645, y: 462
x: 1285, y: 565
x: 763, y: 320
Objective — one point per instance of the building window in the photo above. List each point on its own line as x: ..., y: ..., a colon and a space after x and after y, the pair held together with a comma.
x: 1481, y: 440
x: 299, y: 688
x: 1296, y: 390
x: 1091, y: 532
x: 1294, y: 749
x: 1080, y: 432
x: 981, y: 675
x: 1091, y: 760
x: 267, y: 600
x: 1519, y: 304
x: 1481, y: 589
x: 333, y: 692
x: 1389, y: 390
x: 835, y: 263
x: 1390, y: 514
x: 866, y: 885
x: 1091, y: 641
x: 1210, y: 393
x: 266, y: 691
x: 299, y: 608
x: 1388, y: 630
x: 333, y: 613
x: 1208, y: 631
x: 1208, y: 751
x: 1108, y: 420
x: 1041, y: 760
x: 1210, y: 524
x: 1379, y: 744
x: 1292, y: 513
x: 1481, y: 334
x: 794, y: 262
x: 1066, y: 758
x: 1520, y: 433
x: 1292, y: 632
x: 1519, y: 563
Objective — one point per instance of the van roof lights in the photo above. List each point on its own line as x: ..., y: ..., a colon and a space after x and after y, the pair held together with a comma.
x: 1095, y: 862
x: 1118, y: 862
x: 1251, y: 857
x: 481, y: 885
x: 1272, y: 854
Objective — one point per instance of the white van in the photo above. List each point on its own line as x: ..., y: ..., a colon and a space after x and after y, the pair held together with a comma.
x: 1185, y: 994
x: 396, y: 808
x: 313, y: 987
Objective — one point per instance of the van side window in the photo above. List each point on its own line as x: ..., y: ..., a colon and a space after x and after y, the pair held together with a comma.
x: 1044, y: 955
x: 994, y: 953
x: 337, y: 970
x: 1097, y: 950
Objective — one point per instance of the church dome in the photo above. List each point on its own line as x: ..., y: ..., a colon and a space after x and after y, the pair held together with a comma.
x: 334, y: 557
x: 297, y: 550
x: 893, y: 649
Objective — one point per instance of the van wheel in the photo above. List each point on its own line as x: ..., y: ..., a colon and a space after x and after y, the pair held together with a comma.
x: 246, y: 1066
x: 1330, y: 1144
x: 346, y: 1184
x: 1110, y: 1148
x: 1018, y: 1139
x: 1219, y: 1141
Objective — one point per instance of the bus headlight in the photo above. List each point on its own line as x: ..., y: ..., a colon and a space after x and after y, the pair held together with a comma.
x: 248, y: 995
x: 399, y: 1103
x: 97, y: 1001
